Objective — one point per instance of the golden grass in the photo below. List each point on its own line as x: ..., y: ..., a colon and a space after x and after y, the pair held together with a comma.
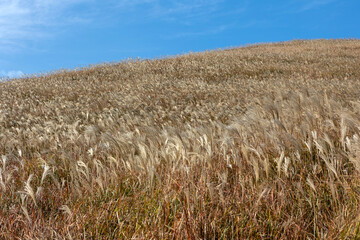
x: 255, y: 142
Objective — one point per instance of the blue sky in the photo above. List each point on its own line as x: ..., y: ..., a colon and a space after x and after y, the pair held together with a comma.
x: 38, y: 36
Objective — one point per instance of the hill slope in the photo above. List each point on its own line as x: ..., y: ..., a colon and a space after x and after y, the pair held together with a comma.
x: 261, y: 142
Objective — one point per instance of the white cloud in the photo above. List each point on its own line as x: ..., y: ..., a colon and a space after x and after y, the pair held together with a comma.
x: 22, y: 21
x: 28, y: 20
x: 314, y: 4
x: 11, y: 74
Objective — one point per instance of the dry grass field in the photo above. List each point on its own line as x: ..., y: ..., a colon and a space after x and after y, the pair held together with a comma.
x: 259, y: 142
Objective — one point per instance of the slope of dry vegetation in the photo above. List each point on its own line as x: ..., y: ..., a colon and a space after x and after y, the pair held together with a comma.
x: 255, y: 142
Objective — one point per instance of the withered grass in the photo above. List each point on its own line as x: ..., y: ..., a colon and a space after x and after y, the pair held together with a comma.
x: 260, y: 142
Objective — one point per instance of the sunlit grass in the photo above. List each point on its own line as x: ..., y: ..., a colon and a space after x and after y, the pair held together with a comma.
x: 255, y: 142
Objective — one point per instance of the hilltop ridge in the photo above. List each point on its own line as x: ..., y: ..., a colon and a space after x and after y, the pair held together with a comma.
x: 214, y: 77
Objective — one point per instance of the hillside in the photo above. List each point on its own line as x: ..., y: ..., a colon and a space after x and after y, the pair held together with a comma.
x: 254, y: 142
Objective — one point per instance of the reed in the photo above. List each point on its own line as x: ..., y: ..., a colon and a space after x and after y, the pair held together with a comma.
x: 258, y: 142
